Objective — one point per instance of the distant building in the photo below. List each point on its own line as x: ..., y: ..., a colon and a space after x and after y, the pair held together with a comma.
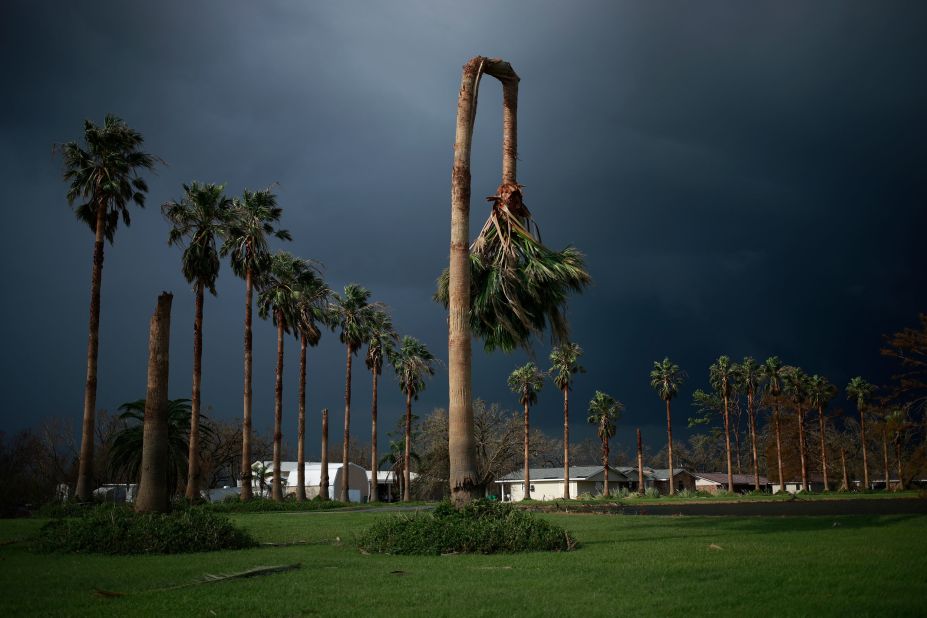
x: 658, y: 478
x: 715, y: 482
x: 547, y: 483
x: 358, y: 485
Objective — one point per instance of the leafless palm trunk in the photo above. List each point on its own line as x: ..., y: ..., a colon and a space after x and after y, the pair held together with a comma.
x: 843, y: 464
x: 801, y: 448
x: 669, y: 446
x: 727, y: 446
x: 640, y: 464
x: 345, y: 481
x: 823, y: 448
x: 605, y: 464
x: 407, y: 454
x: 461, y: 445
x: 193, y: 457
x: 84, y: 488
x: 301, y: 426
x: 323, y: 473
x: 374, y: 464
x: 778, y: 446
x: 246, y: 490
x: 527, y: 495
x: 566, y: 443
x: 153, y: 490
x: 751, y: 412
x: 276, y: 491
x: 885, y: 458
x: 862, y: 440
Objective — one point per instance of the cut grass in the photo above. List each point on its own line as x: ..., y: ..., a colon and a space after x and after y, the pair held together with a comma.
x: 631, y: 565
x: 738, y: 498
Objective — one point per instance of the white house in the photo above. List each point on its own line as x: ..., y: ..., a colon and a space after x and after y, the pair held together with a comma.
x: 547, y: 483
x: 358, y: 483
x: 716, y: 482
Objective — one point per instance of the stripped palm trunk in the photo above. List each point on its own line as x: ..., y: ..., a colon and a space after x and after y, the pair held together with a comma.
x: 301, y: 426
x: 345, y: 482
x: 566, y: 443
x: 751, y: 411
x: 153, y: 491
x: 669, y: 446
x: 843, y: 464
x: 527, y: 495
x: 276, y: 492
x: 407, y: 454
x: 374, y: 464
x: 862, y: 440
x: 323, y: 473
x: 461, y: 445
x: 885, y: 457
x: 640, y: 464
x: 246, y: 480
x: 605, y: 462
x: 801, y: 448
x: 778, y: 446
x: 823, y: 448
x: 193, y: 458
x: 727, y: 446
x: 84, y: 489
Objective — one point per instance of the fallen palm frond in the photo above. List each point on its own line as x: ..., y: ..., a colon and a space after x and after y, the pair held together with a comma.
x: 210, y: 578
x: 518, y: 287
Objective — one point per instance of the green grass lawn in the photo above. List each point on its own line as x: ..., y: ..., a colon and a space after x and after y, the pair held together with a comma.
x: 716, y: 498
x: 626, y: 565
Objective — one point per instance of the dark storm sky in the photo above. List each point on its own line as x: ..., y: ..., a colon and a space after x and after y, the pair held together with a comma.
x: 745, y: 178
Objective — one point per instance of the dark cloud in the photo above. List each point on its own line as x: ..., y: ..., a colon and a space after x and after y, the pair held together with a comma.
x: 744, y: 180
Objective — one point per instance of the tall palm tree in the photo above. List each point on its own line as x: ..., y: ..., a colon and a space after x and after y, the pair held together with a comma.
x: 773, y: 374
x: 254, y: 220
x: 896, y: 426
x: 396, y: 458
x: 413, y: 363
x: 196, y: 221
x: 665, y: 379
x: 526, y: 382
x: 380, y: 345
x: 749, y: 376
x: 860, y: 391
x: 311, y: 312
x: 102, y: 174
x: 604, y: 412
x: 282, y: 286
x: 723, y: 377
x: 352, y: 312
x: 564, y: 360
x: 796, y: 387
x: 820, y: 393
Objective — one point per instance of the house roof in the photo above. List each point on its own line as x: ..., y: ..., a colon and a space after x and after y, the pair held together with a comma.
x: 577, y: 473
x: 650, y: 474
x: 721, y: 478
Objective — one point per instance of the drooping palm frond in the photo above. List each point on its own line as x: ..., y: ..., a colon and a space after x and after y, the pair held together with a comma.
x: 564, y: 360
x: 604, y: 412
x: 666, y: 377
x: 518, y: 287
x: 254, y: 218
x: 381, y: 340
x: 413, y: 362
x: 353, y: 313
x: 284, y: 283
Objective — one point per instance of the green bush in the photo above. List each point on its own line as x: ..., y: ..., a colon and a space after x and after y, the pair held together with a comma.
x: 482, y: 527
x: 233, y: 504
x: 117, y: 529
x: 651, y: 492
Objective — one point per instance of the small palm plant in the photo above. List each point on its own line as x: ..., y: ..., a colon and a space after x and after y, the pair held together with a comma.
x: 665, y: 379
x: 861, y: 392
x: 604, y: 412
x: 526, y: 382
x: 723, y: 376
x: 564, y: 360
x: 413, y: 363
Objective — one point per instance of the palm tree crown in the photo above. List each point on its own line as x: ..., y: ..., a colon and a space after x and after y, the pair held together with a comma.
x: 773, y: 374
x: 104, y: 172
x: 666, y: 378
x: 604, y: 411
x: 526, y: 382
x: 380, y: 340
x: 796, y: 384
x: 749, y: 375
x: 820, y: 391
x: 722, y: 376
x: 312, y: 308
x: 285, y: 281
x: 564, y: 360
x: 254, y: 219
x: 413, y: 363
x: 353, y: 313
x: 860, y: 391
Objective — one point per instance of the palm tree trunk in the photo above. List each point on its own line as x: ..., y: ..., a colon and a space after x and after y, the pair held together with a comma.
x: 345, y: 481
x: 246, y: 489
x: 605, y: 464
x: 843, y: 464
x: 407, y: 455
x: 461, y: 446
x: 566, y: 443
x: 193, y: 457
x: 751, y: 412
x: 862, y: 440
x: 669, y: 446
x: 301, y: 426
x: 801, y: 449
x: 323, y: 473
x: 900, y: 469
x: 527, y: 444
x: 276, y: 492
x: 727, y: 446
x: 640, y: 464
x: 885, y: 458
x: 778, y: 446
x: 153, y: 491
x: 823, y: 448
x: 374, y: 464
x: 84, y: 488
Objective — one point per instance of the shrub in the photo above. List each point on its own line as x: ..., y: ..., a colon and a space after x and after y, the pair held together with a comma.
x: 687, y: 494
x: 651, y: 492
x: 117, y: 529
x: 265, y: 505
x: 585, y: 497
x: 482, y: 527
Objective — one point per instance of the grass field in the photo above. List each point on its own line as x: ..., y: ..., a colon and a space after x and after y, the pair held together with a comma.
x: 626, y: 565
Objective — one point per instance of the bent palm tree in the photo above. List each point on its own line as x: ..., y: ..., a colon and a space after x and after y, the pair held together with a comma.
x: 103, y: 174
x: 722, y: 376
x: 379, y: 346
x: 413, y: 363
x: 773, y: 373
x: 526, y: 382
x: 860, y: 391
x: 254, y: 220
x: 665, y: 379
x: 796, y: 386
x: 749, y: 376
x: 820, y: 393
x: 564, y: 360
x: 282, y: 286
x: 196, y: 220
x: 604, y: 412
